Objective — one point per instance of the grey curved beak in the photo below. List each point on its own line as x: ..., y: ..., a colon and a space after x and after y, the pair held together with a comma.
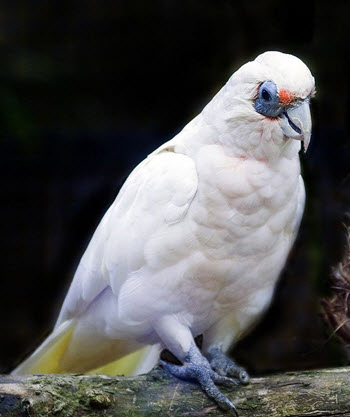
x: 296, y: 123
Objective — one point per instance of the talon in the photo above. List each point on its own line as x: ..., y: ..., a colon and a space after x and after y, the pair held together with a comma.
x: 196, y: 367
x: 230, y: 407
x: 225, y: 366
x: 224, y: 381
x: 244, y: 377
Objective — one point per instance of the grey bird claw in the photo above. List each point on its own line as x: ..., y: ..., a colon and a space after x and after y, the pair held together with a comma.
x: 244, y: 377
x: 223, y: 365
x: 207, y: 378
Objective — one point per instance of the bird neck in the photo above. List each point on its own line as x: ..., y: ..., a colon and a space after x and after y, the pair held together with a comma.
x: 256, y: 139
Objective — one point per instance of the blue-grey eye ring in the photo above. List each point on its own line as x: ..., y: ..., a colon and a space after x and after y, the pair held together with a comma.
x: 267, y: 103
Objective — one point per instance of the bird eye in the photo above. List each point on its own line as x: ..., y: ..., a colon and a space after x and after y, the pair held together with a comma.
x: 267, y: 103
x: 265, y: 95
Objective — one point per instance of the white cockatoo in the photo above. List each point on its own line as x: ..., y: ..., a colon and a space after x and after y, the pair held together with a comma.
x: 196, y: 239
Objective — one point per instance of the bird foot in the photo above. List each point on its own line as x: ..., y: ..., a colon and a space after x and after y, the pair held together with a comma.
x: 225, y: 366
x: 196, y: 367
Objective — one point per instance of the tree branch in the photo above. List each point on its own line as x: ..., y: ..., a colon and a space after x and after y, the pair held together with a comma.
x: 298, y: 394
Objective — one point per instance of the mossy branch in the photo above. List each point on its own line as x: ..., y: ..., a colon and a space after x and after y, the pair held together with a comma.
x: 311, y: 393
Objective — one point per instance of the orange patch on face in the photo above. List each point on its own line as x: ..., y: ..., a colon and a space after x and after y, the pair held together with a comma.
x: 285, y: 97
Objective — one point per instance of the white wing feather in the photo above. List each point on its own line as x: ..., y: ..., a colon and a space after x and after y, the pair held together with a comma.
x: 157, y: 194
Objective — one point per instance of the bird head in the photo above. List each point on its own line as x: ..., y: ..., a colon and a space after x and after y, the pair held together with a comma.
x: 264, y: 107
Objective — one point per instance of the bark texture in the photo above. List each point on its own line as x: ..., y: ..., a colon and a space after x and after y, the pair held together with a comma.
x: 297, y: 394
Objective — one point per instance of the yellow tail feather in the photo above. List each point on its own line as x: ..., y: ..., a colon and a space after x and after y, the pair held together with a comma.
x: 123, y: 366
x: 48, y: 358
x: 45, y: 360
x: 49, y: 362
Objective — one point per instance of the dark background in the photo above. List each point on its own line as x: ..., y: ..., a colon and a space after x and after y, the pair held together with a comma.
x: 89, y: 88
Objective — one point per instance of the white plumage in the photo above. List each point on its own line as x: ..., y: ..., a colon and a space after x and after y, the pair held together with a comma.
x: 199, y: 233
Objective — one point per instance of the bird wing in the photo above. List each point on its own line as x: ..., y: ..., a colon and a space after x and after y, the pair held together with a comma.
x: 157, y: 193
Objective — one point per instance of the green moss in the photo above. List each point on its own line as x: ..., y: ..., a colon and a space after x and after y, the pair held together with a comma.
x: 158, y: 394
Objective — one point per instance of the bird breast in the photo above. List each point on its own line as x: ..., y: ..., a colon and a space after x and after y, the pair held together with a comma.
x: 229, y: 248
x: 243, y: 207
x: 243, y: 217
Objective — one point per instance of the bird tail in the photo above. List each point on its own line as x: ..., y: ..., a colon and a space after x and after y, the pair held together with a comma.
x: 67, y: 350
x: 46, y: 357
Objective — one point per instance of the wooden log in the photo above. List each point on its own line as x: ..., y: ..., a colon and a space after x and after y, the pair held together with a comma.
x: 297, y: 394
